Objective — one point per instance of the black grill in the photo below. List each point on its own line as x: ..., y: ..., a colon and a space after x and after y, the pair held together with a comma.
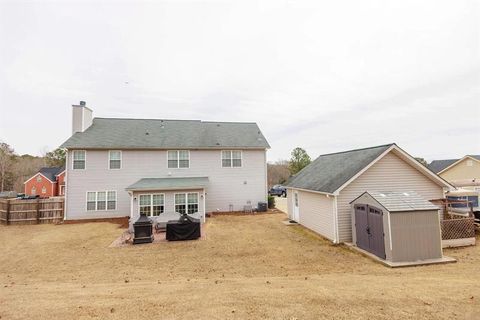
x: 143, y: 230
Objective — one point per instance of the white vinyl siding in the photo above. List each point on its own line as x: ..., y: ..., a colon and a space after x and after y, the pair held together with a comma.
x: 231, y: 158
x: 315, y: 212
x: 101, y: 200
x: 389, y: 174
x: 178, y: 159
x: 115, y: 159
x: 79, y: 159
x: 225, y: 187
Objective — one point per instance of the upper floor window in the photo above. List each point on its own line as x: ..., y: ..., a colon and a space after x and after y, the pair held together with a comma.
x: 39, y: 178
x: 178, y: 159
x: 79, y: 157
x: 469, y: 163
x: 231, y: 158
x: 115, y: 159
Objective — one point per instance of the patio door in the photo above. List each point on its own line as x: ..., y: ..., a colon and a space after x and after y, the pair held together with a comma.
x: 296, y: 211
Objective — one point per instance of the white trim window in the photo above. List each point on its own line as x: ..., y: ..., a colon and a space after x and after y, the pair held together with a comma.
x: 101, y: 200
x: 231, y: 158
x: 39, y: 178
x: 115, y: 159
x: 178, y: 159
x: 33, y: 191
x: 186, y: 202
x: 79, y: 159
x: 151, y: 204
x: 44, y: 190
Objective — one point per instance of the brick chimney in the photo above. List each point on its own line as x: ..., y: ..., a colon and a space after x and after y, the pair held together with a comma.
x: 82, y: 117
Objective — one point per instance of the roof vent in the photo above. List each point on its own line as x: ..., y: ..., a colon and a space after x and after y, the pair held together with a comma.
x: 83, y: 103
x: 217, y: 144
x: 218, y: 124
x: 146, y: 133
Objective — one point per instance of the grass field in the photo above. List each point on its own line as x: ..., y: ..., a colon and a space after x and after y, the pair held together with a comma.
x: 249, y: 267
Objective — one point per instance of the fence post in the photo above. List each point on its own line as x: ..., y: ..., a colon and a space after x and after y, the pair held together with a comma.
x: 38, y: 211
x: 8, y: 212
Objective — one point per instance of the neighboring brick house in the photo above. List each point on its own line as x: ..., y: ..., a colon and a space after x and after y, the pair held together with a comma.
x: 47, y: 182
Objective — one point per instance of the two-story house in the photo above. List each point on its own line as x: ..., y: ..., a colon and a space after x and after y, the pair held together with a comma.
x: 47, y: 182
x: 124, y: 167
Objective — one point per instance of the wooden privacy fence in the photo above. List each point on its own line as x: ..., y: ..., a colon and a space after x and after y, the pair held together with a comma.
x: 13, y: 211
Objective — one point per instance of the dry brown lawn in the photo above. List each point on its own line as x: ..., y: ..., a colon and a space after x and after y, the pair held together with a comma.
x: 249, y: 267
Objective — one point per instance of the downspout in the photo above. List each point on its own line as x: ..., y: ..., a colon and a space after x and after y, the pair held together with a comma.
x: 335, y: 220
x: 204, y: 207
x: 65, y: 180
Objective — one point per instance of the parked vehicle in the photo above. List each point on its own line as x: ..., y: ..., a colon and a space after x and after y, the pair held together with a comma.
x: 278, y: 190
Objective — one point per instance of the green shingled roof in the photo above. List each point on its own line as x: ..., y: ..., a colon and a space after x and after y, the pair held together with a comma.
x: 153, y: 184
x: 163, y: 134
x: 329, y: 172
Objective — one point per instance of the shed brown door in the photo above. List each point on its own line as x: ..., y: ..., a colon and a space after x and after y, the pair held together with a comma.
x: 369, y: 229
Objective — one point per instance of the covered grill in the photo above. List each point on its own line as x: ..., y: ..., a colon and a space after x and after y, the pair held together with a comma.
x: 143, y: 230
x: 186, y: 228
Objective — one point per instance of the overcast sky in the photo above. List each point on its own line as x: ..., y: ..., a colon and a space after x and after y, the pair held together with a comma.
x: 324, y: 75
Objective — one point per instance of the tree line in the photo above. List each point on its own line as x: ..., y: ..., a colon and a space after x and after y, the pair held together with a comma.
x: 280, y: 171
x: 16, y: 169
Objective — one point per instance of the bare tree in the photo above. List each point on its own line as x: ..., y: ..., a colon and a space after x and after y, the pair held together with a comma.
x: 6, y: 160
x: 278, y: 172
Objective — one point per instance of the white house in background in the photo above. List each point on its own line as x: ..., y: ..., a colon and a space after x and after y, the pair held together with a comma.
x: 122, y: 167
x: 319, y: 196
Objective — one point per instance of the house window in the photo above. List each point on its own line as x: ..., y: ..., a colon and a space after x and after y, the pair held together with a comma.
x: 62, y: 190
x: 39, y: 178
x: 115, y: 159
x: 101, y: 200
x: 469, y: 163
x: 79, y: 159
x: 33, y: 191
x: 44, y: 190
x: 186, y: 202
x: 178, y: 159
x: 152, y: 204
x: 231, y: 158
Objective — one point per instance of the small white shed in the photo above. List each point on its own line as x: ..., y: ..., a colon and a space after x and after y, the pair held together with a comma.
x: 400, y: 227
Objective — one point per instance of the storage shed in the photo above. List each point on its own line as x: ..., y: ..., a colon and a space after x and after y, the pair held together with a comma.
x: 398, y: 227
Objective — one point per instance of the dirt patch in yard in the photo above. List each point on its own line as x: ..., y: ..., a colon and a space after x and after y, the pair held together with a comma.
x: 248, y: 267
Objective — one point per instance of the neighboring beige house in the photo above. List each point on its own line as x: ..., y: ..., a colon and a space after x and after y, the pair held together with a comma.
x: 124, y: 167
x: 319, y: 196
x: 464, y: 172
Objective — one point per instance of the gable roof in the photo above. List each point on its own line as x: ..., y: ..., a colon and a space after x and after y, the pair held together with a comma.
x: 438, y: 166
x: 50, y: 173
x: 165, y: 134
x: 332, y: 172
x: 329, y: 172
x: 401, y: 201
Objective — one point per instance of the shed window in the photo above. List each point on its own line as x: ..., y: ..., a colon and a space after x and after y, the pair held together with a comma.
x: 231, y: 158
x: 115, y: 159
x: 469, y: 163
x: 79, y: 157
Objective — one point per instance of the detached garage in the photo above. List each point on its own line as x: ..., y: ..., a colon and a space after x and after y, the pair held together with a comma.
x: 320, y: 196
x: 398, y: 227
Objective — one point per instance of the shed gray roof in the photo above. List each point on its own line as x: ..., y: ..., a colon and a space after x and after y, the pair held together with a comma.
x: 50, y: 173
x: 168, y: 183
x: 164, y: 134
x: 402, y: 201
x: 439, y: 165
x: 329, y: 172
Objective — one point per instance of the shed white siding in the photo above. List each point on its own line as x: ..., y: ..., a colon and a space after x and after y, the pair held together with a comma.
x: 388, y: 174
x: 227, y: 186
x: 316, y: 212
